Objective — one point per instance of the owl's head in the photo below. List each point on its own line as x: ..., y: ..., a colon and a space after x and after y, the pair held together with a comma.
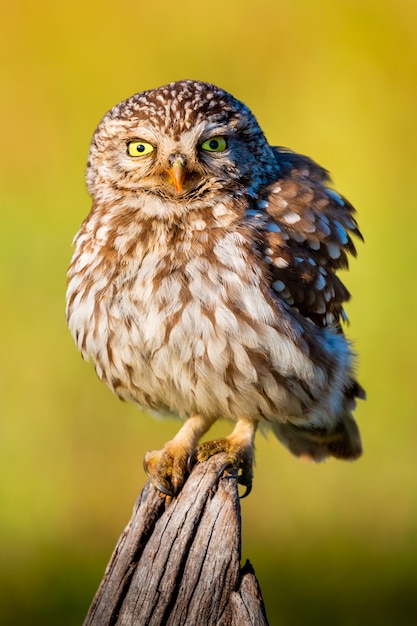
x: 181, y: 143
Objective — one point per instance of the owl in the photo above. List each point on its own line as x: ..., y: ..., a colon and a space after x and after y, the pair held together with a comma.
x: 203, y: 281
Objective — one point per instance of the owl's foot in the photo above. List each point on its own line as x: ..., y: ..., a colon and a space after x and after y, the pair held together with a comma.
x: 167, y: 468
x: 239, y: 447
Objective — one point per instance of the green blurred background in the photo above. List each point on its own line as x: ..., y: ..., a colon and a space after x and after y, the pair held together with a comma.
x: 331, y: 544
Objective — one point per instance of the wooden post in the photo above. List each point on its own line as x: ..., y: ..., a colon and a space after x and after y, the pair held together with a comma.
x: 178, y: 562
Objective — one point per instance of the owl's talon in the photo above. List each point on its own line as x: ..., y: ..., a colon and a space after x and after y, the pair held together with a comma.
x: 156, y: 480
x: 146, y: 469
x: 242, y: 480
x: 248, y: 489
x: 227, y: 465
x: 160, y: 487
x: 239, y: 462
x: 191, y: 461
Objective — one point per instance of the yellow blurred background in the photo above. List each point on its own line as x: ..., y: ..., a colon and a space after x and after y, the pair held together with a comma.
x: 331, y: 544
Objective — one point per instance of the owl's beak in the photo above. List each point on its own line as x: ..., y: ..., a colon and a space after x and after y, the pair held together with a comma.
x: 177, y: 172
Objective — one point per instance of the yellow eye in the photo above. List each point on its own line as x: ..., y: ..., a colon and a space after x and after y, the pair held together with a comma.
x: 215, y: 144
x: 139, y: 148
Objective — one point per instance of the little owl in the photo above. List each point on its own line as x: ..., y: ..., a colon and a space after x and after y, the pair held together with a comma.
x: 203, y: 281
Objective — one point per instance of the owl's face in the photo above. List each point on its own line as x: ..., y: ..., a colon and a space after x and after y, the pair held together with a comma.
x: 181, y: 144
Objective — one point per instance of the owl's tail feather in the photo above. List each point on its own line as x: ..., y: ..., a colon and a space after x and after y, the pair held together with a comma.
x: 316, y: 444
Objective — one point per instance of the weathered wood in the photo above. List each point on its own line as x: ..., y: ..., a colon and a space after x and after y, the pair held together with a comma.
x: 178, y: 562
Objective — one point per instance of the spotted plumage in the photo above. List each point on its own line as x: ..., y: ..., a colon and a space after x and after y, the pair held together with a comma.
x: 203, y: 281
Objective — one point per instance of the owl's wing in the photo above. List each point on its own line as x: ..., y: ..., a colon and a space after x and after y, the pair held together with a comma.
x: 307, y: 237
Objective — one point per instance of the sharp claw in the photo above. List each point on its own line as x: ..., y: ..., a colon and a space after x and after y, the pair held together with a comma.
x: 191, y: 461
x: 229, y: 465
x: 159, y: 486
x: 247, y: 492
x: 224, y: 467
x: 145, y: 467
x: 163, y: 489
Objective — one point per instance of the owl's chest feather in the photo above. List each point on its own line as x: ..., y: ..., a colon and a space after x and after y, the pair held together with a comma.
x: 189, y: 309
x: 192, y: 331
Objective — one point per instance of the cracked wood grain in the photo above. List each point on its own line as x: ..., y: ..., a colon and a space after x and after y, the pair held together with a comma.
x: 178, y: 562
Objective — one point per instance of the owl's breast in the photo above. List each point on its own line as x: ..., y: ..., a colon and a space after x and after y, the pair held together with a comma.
x: 195, y: 334
x: 201, y: 337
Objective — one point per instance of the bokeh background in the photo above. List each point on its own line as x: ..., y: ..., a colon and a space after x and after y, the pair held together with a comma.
x: 331, y: 544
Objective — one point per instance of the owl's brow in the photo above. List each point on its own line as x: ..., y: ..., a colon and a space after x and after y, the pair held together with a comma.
x: 210, y: 130
x: 142, y: 132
